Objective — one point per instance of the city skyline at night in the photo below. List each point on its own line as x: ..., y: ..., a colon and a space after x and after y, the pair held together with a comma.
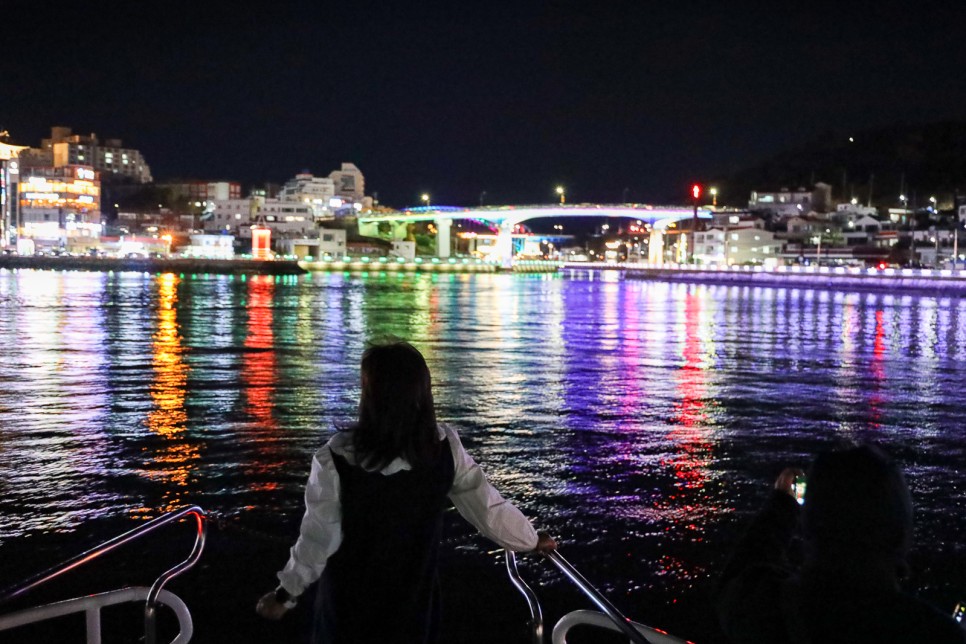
x: 497, y: 103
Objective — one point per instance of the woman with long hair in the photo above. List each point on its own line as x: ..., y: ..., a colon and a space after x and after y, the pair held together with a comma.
x: 374, y: 506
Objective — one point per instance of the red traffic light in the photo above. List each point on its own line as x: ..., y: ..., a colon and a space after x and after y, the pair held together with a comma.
x: 696, y: 191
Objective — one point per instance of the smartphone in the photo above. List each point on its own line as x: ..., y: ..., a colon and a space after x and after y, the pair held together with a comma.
x: 799, y: 488
x: 959, y: 613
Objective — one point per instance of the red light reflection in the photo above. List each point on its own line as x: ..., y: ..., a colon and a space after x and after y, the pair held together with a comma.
x: 259, y: 373
x: 258, y: 368
x: 690, y: 431
x: 878, y: 372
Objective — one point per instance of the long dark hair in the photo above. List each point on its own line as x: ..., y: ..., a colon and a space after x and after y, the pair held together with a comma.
x: 396, y: 413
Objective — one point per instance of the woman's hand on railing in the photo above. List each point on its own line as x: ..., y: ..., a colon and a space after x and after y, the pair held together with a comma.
x: 545, y: 543
x: 270, y: 608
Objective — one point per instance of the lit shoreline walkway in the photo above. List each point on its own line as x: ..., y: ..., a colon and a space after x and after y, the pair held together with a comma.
x: 947, y: 281
x: 153, y: 265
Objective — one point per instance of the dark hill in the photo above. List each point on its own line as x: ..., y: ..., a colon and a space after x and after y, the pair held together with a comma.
x: 918, y: 160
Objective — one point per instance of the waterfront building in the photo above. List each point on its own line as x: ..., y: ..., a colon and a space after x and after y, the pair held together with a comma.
x: 789, y: 203
x: 209, y: 247
x: 901, y: 216
x: 861, y: 226
x: 736, y: 219
x: 856, y: 209
x: 861, y: 230
x: 9, y: 181
x: 128, y: 245
x: 316, y: 192
x: 109, y: 157
x: 332, y: 242
x: 150, y: 222
x: 798, y: 229
x: 57, y: 203
x: 747, y: 245
x: 802, y: 227
x: 286, y: 219
x: 329, y: 243
x: 198, y: 193
x: 349, y: 182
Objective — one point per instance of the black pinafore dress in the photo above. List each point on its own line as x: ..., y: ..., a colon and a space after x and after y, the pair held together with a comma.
x: 381, y: 585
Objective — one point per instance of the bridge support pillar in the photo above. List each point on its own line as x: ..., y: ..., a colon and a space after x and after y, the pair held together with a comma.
x: 504, y: 245
x: 655, y: 248
x: 442, y: 237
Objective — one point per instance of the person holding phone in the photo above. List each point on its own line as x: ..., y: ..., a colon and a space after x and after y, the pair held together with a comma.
x: 856, y: 529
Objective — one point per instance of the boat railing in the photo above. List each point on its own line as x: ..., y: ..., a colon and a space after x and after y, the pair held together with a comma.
x: 533, y: 603
x: 607, y: 616
x: 96, y: 602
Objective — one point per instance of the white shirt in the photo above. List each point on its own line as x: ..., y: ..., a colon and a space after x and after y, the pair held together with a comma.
x: 321, y: 532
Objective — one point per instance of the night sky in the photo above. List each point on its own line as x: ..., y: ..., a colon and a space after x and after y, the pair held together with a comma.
x: 611, y: 99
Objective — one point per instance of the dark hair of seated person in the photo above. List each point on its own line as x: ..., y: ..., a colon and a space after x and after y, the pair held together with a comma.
x: 857, y: 508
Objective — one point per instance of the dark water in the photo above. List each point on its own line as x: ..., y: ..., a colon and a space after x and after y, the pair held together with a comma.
x: 641, y: 422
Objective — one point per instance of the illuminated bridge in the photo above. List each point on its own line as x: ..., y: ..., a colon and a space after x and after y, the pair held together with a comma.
x: 505, y: 218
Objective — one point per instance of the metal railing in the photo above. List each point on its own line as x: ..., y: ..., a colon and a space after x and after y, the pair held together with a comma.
x: 533, y: 603
x: 614, y: 618
x: 599, y: 620
x: 92, y: 605
x: 151, y: 598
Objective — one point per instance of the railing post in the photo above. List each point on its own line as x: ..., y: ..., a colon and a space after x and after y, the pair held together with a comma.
x: 150, y: 623
x: 536, y: 613
x: 93, y: 625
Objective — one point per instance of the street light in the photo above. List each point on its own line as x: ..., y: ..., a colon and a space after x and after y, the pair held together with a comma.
x: 714, y: 197
x: 560, y: 191
x: 932, y: 200
x: 425, y: 199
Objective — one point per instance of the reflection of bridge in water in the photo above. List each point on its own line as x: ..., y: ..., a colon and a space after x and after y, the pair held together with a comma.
x: 505, y: 218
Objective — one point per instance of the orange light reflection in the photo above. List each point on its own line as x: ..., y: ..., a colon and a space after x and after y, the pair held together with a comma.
x: 173, y: 464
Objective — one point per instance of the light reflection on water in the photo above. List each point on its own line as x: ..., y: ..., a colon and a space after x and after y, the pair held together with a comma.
x: 172, y: 461
x: 639, y: 421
